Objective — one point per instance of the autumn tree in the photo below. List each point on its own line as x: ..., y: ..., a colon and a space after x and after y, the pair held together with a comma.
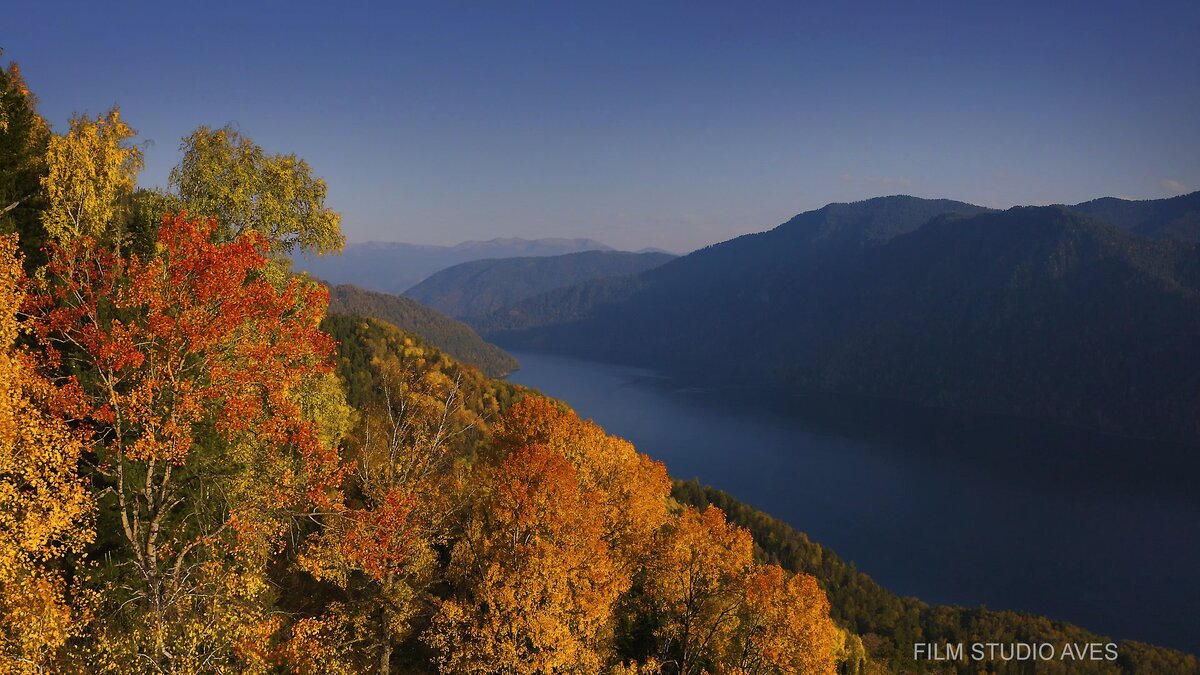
x: 408, y: 453
x: 718, y: 612
x: 534, y: 580
x: 317, y: 646
x: 225, y: 175
x: 632, y: 488
x: 188, y: 366
x: 91, y: 172
x: 24, y: 136
x: 783, y: 626
x: 696, y: 586
x: 45, y: 509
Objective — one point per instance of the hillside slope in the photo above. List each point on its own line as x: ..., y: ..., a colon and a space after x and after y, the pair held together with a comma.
x: 479, y: 287
x: 452, y: 336
x: 1174, y: 218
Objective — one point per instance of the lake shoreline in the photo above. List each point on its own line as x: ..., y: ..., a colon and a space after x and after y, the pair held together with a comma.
x: 980, y: 512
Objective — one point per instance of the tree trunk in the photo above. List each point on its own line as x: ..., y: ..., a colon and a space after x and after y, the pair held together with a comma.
x: 385, y: 659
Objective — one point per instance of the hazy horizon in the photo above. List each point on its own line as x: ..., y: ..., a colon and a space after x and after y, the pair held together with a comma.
x: 500, y: 237
x: 673, y: 126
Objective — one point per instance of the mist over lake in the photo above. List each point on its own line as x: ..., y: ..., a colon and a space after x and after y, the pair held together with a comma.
x: 960, y: 509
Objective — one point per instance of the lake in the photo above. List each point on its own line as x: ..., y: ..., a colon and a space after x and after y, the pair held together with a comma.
x: 1100, y: 531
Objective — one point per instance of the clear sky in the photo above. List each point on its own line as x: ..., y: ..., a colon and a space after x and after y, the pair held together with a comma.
x: 670, y: 124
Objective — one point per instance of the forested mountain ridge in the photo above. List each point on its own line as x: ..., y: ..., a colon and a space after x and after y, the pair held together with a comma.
x: 479, y: 287
x: 1033, y: 311
x: 1173, y: 218
x: 393, y: 267
x: 725, y: 272
x: 454, y: 337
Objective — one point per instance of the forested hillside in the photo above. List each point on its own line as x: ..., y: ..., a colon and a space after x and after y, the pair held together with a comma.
x: 477, y: 288
x: 202, y: 472
x: 453, y: 336
x: 1175, y: 218
x: 1038, y: 312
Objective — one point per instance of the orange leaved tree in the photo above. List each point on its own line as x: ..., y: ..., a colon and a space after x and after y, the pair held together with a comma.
x: 784, y: 626
x: 632, y: 489
x: 696, y: 586
x: 187, y: 364
x: 45, y: 510
x: 534, y: 579
x: 719, y: 612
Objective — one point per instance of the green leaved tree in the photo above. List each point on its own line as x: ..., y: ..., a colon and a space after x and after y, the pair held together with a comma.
x: 225, y: 175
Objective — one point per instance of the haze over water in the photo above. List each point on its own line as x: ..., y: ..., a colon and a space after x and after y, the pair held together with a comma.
x: 950, y: 508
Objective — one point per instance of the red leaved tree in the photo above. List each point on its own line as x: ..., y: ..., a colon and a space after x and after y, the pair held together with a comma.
x: 186, y: 364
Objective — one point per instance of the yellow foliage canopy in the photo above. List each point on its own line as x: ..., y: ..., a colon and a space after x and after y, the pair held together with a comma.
x: 91, y: 173
x: 784, y: 626
x: 696, y: 581
x: 535, y: 578
x: 45, y: 509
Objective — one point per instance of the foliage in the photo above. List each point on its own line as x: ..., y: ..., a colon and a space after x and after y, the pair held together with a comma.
x: 24, y: 137
x: 91, y: 172
x: 227, y: 176
x: 187, y: 366
x: 45, y: 508
x: 631, y: 488
x: 784, y: 626
x: 413, y: 429
x: 370, y: 350
x: 562, y: 522
x: 449, y: 335
x: 535, y: 582
x: 695, y: 585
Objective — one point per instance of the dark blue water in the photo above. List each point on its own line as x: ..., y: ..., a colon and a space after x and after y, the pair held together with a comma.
x: 1099, y: 531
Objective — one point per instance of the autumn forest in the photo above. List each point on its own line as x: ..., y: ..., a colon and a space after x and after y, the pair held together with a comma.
x: 201, y: 472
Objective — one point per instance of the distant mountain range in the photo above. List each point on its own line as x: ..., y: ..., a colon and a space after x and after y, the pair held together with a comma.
x: 1086, y: 314
x: 476, y: 288
x: 393, y: 267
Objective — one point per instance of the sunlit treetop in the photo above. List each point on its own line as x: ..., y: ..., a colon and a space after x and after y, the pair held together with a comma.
x: 227, y: 176
x: 92, y: 170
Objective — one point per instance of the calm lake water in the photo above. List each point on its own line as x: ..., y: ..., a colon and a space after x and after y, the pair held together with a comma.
x: 950, y: 508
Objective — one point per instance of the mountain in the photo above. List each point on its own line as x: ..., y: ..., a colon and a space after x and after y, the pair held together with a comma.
x: 480, y: 287
x: 393, y: 267
x: 1035, y: 311
x: 454, y: 337
x: 1174, y: 218
x: 730, y: 274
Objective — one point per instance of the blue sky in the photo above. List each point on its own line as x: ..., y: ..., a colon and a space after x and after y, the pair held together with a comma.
x: 644, y: 123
